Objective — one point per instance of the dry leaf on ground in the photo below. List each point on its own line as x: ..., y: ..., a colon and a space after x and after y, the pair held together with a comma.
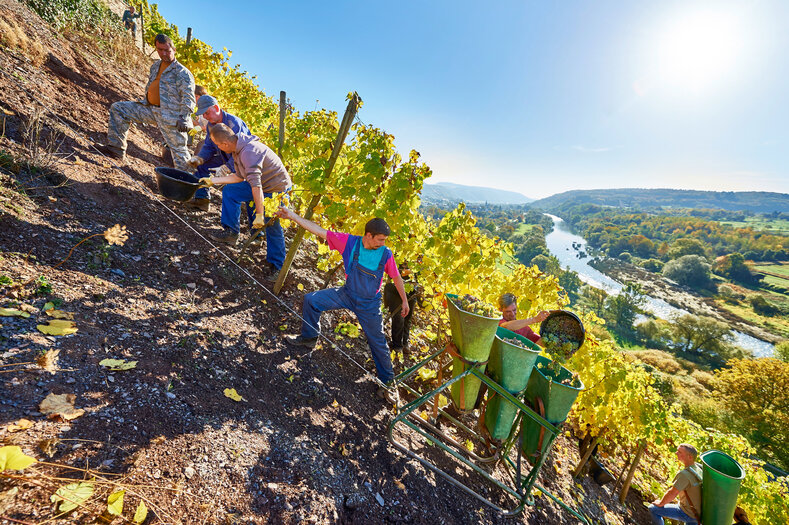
x: 60, y: 314
x: 49, y: 360
x: 60, y: 406
x: 20, y: 424
x: 117, y: 365
x: 57, y: 327
x: 47, y: 446
x: 12, y: 458
x: 72, y: 495
x: 232, y: 394
x: 13, y: 312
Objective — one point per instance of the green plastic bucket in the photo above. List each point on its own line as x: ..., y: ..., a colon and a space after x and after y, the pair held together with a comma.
x: 557, y: 399
x: 473, y: 336
x: 722, y: 476
x: 510, y: 366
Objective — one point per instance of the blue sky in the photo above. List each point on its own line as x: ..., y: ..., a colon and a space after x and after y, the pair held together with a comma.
x: 536, y: 97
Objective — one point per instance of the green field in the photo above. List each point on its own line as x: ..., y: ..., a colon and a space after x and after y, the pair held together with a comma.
x: 776, y: 226
x: 524, y: 228
x: 777, y: 270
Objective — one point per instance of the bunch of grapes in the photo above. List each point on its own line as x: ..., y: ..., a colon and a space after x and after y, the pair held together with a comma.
x: 560, y: 346
x: 515, y: 342
x: 469, y: 303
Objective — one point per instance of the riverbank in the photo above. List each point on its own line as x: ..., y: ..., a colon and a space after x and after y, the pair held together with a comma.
x: 678, y: 296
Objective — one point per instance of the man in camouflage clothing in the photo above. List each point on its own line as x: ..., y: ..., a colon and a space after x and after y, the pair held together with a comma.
x: 168, y: 103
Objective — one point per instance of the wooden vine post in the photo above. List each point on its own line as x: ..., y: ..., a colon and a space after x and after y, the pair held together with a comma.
x: 142, y: 29
x: 345, y: 126
x: 282, y: 109
x: 630, y: 473
x: 587, y: 453
x: 188, y: 35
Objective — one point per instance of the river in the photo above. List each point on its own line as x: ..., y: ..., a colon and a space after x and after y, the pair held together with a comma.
x: 560, y: 243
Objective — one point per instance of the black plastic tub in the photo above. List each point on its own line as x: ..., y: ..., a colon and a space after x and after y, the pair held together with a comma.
x: 176, y: 184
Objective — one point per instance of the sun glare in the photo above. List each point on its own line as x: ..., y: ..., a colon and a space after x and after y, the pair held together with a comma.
x: 699, y: 51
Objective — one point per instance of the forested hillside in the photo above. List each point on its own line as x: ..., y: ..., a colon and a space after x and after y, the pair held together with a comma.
x: 755, y: 201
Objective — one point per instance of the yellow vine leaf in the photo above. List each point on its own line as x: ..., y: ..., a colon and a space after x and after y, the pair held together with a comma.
x: 115, y: 503
x: 60, y: 406
x: 72, y: 495
x: 426, y: 374
x: 19, y: 424
x: 232, y: 394
x: 13, y: 312
x: 141, y: 513
x: 116, y: 365
x: 59, y: 314
x: 12, y: 458
x: 58, y: 327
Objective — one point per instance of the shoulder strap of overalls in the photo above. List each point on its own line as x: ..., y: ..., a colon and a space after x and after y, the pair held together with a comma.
x: 384, y: 258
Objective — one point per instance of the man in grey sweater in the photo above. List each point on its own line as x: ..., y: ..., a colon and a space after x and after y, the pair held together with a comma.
x: 259, y: 173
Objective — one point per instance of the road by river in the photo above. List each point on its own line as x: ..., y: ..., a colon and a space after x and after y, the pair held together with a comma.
x: 560, y: 243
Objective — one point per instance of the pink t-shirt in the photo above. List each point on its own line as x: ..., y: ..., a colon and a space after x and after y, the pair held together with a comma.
x: 338, y: 240
x: 526, y: 332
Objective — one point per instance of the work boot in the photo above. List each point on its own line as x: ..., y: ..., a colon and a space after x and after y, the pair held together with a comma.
x: 199, y: 204
x: 227, y: 236
x: 298, y: 340
x: 111, y: 151
x: 387, y: 392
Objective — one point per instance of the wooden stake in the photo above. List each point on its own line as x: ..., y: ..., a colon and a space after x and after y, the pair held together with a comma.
x: 585, y: 458
x: 282, y: 109
x: 345, y: 126
x: 142, y: 29
x: 188, y: 35
x: 631, y: 473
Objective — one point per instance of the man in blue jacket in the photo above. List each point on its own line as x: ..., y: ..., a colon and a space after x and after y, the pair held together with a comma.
x: 210, y: 158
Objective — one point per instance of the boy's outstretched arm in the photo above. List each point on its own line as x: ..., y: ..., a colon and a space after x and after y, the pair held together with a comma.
x: 287, y: 213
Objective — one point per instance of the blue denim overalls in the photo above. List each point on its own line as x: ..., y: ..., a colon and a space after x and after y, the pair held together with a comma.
x: 361, y: 294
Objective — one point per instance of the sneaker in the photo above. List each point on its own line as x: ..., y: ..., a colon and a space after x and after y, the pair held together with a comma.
x: 199, y: 204
x: 111, y: 151
x: 227, y: 236
x: 298, y: 340
x: 271, y: 272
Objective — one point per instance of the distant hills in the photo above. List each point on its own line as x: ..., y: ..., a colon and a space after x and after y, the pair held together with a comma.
x: 756, y: 201
x: 449, y: 193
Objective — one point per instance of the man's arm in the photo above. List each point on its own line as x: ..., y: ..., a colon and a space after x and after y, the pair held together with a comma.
x: 517, y: 324
x: 398, y: 282
x: 287, y: 213
x: 668, y: 497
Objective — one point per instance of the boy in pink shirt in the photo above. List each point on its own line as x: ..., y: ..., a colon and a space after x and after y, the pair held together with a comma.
x: 366, y: 259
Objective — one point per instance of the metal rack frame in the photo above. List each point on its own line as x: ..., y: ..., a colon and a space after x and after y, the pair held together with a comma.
x: 521, y: 488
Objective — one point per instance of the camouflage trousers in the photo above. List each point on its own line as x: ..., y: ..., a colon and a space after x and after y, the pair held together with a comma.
x: 122, y: 114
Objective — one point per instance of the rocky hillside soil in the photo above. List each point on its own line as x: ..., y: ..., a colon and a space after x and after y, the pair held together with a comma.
x: 307, y: 441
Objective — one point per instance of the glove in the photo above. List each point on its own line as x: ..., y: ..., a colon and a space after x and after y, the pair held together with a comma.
x: 221, y: 171
x: 195, y: 161
x: 183, y: 127
x: 206, y: 181
x: 259, y: 222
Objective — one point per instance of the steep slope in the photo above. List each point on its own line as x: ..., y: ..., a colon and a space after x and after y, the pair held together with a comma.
x: 306, y: 443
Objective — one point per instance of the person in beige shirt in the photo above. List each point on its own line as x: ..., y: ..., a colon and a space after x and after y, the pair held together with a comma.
x: 686, y: 486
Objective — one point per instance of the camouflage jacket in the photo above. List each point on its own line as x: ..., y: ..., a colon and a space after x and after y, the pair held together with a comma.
x: 176, y: 91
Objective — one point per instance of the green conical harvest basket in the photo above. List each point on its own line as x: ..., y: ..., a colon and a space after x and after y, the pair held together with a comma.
x: 557, y: 399
x: 510, y: 367
x: 722, y: 476
x: 473, y: 336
